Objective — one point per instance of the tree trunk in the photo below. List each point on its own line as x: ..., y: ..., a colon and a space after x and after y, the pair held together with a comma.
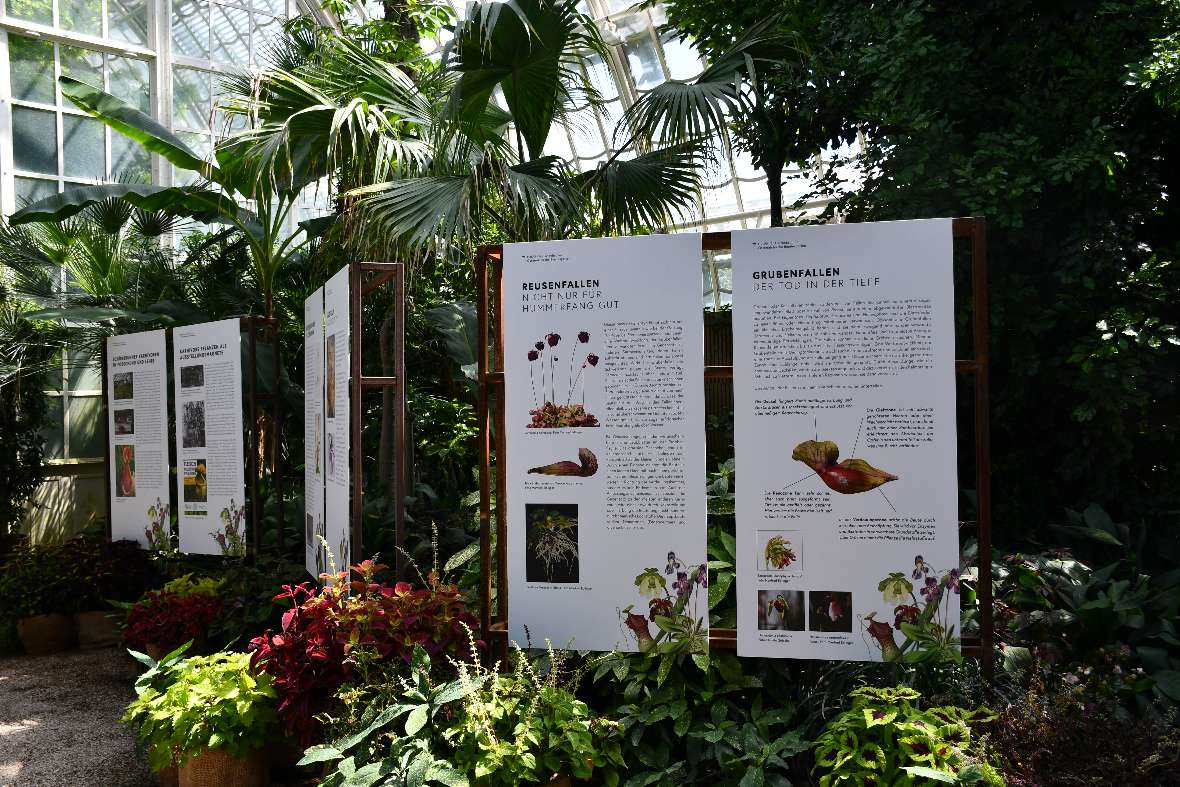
x: 398, y: 12
x: 774, y: 184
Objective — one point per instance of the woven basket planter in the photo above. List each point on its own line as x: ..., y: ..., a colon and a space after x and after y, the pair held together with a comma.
x: 42, y: 635
x: 169, y: 777
x: 219, y: 768
x: 96, y: 630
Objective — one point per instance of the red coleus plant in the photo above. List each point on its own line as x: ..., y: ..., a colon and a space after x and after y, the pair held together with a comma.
x: 168, y: 620
x: 311, y: 656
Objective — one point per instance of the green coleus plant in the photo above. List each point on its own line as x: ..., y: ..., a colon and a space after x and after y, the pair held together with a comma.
x: 886, y: 739
x: 214, y: 702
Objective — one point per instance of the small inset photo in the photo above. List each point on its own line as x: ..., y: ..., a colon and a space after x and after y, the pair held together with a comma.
x: 192, y: 376
x: 780, y: 551
x: 124, y: 471
x: 196, y: 484
x: 829, y: 610
x: 781, y: 610
x: 124, y: 384
x: 193, y: 429
x: 551, y: 543
x: 124, y: 422
x: 330, y: 371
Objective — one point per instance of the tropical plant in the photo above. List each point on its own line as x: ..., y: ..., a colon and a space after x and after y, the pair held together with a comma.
x: 164, y: 619
x: 885, y: 738
x: 429, y: 161
x: 367, y: 747
x: 214, y: 702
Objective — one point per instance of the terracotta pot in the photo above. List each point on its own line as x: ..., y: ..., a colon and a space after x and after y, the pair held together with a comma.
x: 97, y: 630
x: 42, y: 635
x: 219, y: 768
x: 169, y: 777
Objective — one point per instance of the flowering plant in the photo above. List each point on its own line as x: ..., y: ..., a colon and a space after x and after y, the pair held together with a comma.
x: 158, y: 534
x: 549, y: 413
x: 316, y: 650
x: 230, y: 538
x: 778, y: 553
x: 673, y: 607
x: 929, y: 634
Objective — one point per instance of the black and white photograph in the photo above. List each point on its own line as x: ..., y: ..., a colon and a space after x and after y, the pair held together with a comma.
x: 552, y: 543
x: 124, y: 422
x: 192, y: 376
x: 124, y: 385
x: 193, y: 431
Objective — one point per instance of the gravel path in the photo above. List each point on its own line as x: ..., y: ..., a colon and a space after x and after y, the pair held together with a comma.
x: 59, y: 721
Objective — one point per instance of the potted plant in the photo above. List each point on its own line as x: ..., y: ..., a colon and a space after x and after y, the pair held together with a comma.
x: 211, y: 720
x: 106, y: 575
x: 41, y: 597
x: 179, y: 612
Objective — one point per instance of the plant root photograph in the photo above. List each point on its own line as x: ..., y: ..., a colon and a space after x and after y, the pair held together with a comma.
x: 551, y: 543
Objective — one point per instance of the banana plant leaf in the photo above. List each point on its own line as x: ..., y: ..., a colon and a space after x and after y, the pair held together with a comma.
x: 132, y: 123
x: 456, y: 323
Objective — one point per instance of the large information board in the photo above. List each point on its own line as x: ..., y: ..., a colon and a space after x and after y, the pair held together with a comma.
x: 604, y: 431
x: 844, y: 397
x: 313, y: 434
x: 337, y: 431
x: 137, y: 385
x: 210, y: 472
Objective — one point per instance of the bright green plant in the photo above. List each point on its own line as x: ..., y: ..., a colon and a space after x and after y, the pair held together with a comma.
x: 886, y: 739
x: 187, y: 586
x: 527, y: 726
x: 215, y: 702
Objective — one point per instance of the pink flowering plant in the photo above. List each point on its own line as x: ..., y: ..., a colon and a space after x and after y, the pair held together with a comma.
x: 158, y: 534
x: 231, y: 537
x: 548, y: 411
x: 921, y: 615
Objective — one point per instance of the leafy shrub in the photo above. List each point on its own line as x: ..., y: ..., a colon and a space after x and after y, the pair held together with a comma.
x: 311, y: 656
x: 216, y: 701
x: 884, y: 738
x: 525, y: 727
x: 699, y: 719
x: 167, y: 619
x: 1064, y: 736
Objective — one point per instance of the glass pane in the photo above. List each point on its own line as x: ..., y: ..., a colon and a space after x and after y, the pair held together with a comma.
x: 32, y: 189
x: 84, y: 147
x: 275, y: 7
x: 86, y: 427
x: 680, y: 57
x: 267, y: 31
x: 190, y: 98
x: 84, y: 65
x: 34, y: 140
x: 130, y: 81
x: 33, y: 10
x: 130, y: 161
x: 52, y: 377
x: 601, y: 78
x: 644, y: 62
x: 84, y: 376
x: 52, y: 431
x: 82, y: 16
x: 558, y: 143
x: 30, y: 68
x: 127, y: 20
x: 190, y: 28
x: 231, y: 35
x: 202, y: 145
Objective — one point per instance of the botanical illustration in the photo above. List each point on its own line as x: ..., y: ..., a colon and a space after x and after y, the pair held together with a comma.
x: 778, y: 553
x: 586, y: 466
x: 781, y: 610
x: 848, y: 477
x: 125, y: 471
x: 677, y: 608
x: 193, y: 425
x: 158, y: 534
x: 230, y: 537
x: 330, y: 380
x: 550, y: 411
x: 830, y: 610
x: 923, y: 618
x: 552, y: 543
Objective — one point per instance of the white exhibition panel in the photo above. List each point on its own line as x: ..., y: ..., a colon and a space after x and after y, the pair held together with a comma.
x: 337, y: 366
x: 137, y: 422
x: 313, y: 434
x: 210, y: 474
x: 605, y: 437
x: 844, y: 435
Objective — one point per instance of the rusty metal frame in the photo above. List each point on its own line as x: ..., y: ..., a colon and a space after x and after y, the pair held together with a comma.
x: 358, y: 287
x: 491, y: 378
